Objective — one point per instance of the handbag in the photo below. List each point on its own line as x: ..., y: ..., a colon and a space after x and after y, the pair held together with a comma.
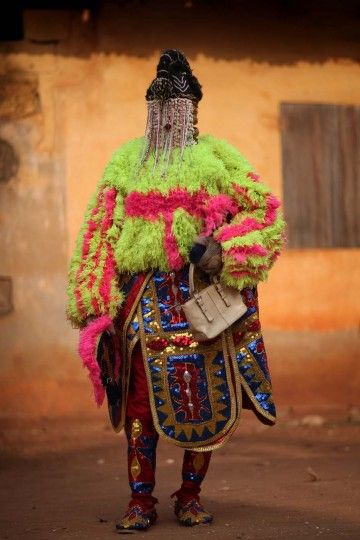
x: 213, y: 309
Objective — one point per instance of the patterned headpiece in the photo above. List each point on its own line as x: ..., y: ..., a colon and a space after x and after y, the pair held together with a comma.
x: 174, y: 79
x: 172, y: 100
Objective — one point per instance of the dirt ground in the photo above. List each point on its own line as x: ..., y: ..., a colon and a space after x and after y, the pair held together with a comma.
x: 299, y: 480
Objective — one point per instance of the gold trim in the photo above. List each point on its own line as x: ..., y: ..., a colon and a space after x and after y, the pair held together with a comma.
x: 238, y: 394
x: 135, y: 468
x: 124, y: 353
x: 136, y: 428
x: 132, y: 346
x: 198, y: 462
x: 244, y: 384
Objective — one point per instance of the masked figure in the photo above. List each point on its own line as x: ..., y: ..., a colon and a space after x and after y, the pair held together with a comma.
x: 167, y: 199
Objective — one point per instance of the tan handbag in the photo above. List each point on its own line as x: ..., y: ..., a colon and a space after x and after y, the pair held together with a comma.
x: 213, y: 309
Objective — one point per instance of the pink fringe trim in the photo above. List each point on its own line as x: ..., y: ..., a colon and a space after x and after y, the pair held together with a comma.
x: 108, y: 199
x: 108, y: 274
x: 85, y: 251
x: 253, y: 176
x: 255, y: 275
x: 92, y: 278
x: 110, y: 203
x: 174, y: 257
x: 211, y: 209
x: 240, y: 254
x: 87, y: 351
x: 153, y: 204
x: 216, y: 211
x: 251, y: 224
x: 240, y: 274
x: 244, y: 193
x: 109, y: 269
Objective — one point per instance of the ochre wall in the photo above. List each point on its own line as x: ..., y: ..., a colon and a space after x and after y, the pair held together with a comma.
x: 91, y: 102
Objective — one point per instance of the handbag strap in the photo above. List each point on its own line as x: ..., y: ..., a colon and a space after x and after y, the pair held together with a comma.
x: 215, y: 281
x: 191, y: 279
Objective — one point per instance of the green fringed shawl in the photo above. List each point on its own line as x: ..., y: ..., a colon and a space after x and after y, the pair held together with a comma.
x: 139, y: 220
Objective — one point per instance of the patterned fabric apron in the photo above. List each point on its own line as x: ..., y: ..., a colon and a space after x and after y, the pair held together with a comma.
x: 197, y: 390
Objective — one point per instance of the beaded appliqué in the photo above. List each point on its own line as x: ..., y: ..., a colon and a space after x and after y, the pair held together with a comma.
x: 137, y: 519
x: 192, y: 513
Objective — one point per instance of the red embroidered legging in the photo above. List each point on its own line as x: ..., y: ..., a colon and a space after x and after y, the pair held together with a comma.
x: 142, y: 471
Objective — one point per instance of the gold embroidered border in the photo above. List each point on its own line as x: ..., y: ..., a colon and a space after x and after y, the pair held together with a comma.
x: 238, y: 395
x: 206, y: 351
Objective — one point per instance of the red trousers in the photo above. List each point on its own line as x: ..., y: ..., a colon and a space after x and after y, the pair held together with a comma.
x: 142, y: 441
x: 138, y: 404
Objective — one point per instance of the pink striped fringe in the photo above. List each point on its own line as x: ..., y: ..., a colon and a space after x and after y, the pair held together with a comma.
x: 87, y: 350
x: 241, y: 253
x: 251, y: 224
x: 109, y: 269
x: 85, y: 251
x: 253, y: 176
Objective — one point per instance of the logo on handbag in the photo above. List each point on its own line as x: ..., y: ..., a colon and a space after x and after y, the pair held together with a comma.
x: 213, y: 309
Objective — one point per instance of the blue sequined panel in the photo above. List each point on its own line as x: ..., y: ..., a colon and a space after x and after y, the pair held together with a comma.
x: 249, y: 297
x: 147, y: 313
x: 190, y: 388
x: 146, y: 446
x: 192, y: 477
x: 172, y: 291
x: 194, y: 414
x: 141, y: 487
x: 133, y: 329
x: 254, y: 377
x: 258, y: 351
x: 128, y: 283
x: 195, y: 400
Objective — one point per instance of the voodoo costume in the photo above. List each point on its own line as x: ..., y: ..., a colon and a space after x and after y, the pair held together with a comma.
x: 167, y: 199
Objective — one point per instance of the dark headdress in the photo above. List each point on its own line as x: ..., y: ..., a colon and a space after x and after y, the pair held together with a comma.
x: 174, y: 79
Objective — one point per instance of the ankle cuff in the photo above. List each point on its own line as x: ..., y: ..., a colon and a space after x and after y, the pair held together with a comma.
x: 145, y: 501
x: 186, y: 494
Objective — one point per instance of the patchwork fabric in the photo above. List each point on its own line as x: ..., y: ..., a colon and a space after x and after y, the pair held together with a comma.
x: 195, y: 389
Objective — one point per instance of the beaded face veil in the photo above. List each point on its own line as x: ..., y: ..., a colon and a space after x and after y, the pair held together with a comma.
x: 172, y: 100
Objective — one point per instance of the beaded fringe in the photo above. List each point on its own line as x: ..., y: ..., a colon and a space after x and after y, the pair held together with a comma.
x: 170, y: 124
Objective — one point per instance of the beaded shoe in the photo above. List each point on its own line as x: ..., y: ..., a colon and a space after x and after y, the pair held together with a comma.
x: 137, y: 519
x: 192, y: 513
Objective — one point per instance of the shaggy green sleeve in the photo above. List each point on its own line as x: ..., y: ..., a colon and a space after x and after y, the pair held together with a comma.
x: 93, y: 281
x: 253, y: 238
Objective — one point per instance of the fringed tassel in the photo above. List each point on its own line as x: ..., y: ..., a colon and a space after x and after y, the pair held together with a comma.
x: 87, y: 350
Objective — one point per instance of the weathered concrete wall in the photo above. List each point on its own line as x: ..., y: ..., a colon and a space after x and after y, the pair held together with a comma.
x: 79, y: 98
